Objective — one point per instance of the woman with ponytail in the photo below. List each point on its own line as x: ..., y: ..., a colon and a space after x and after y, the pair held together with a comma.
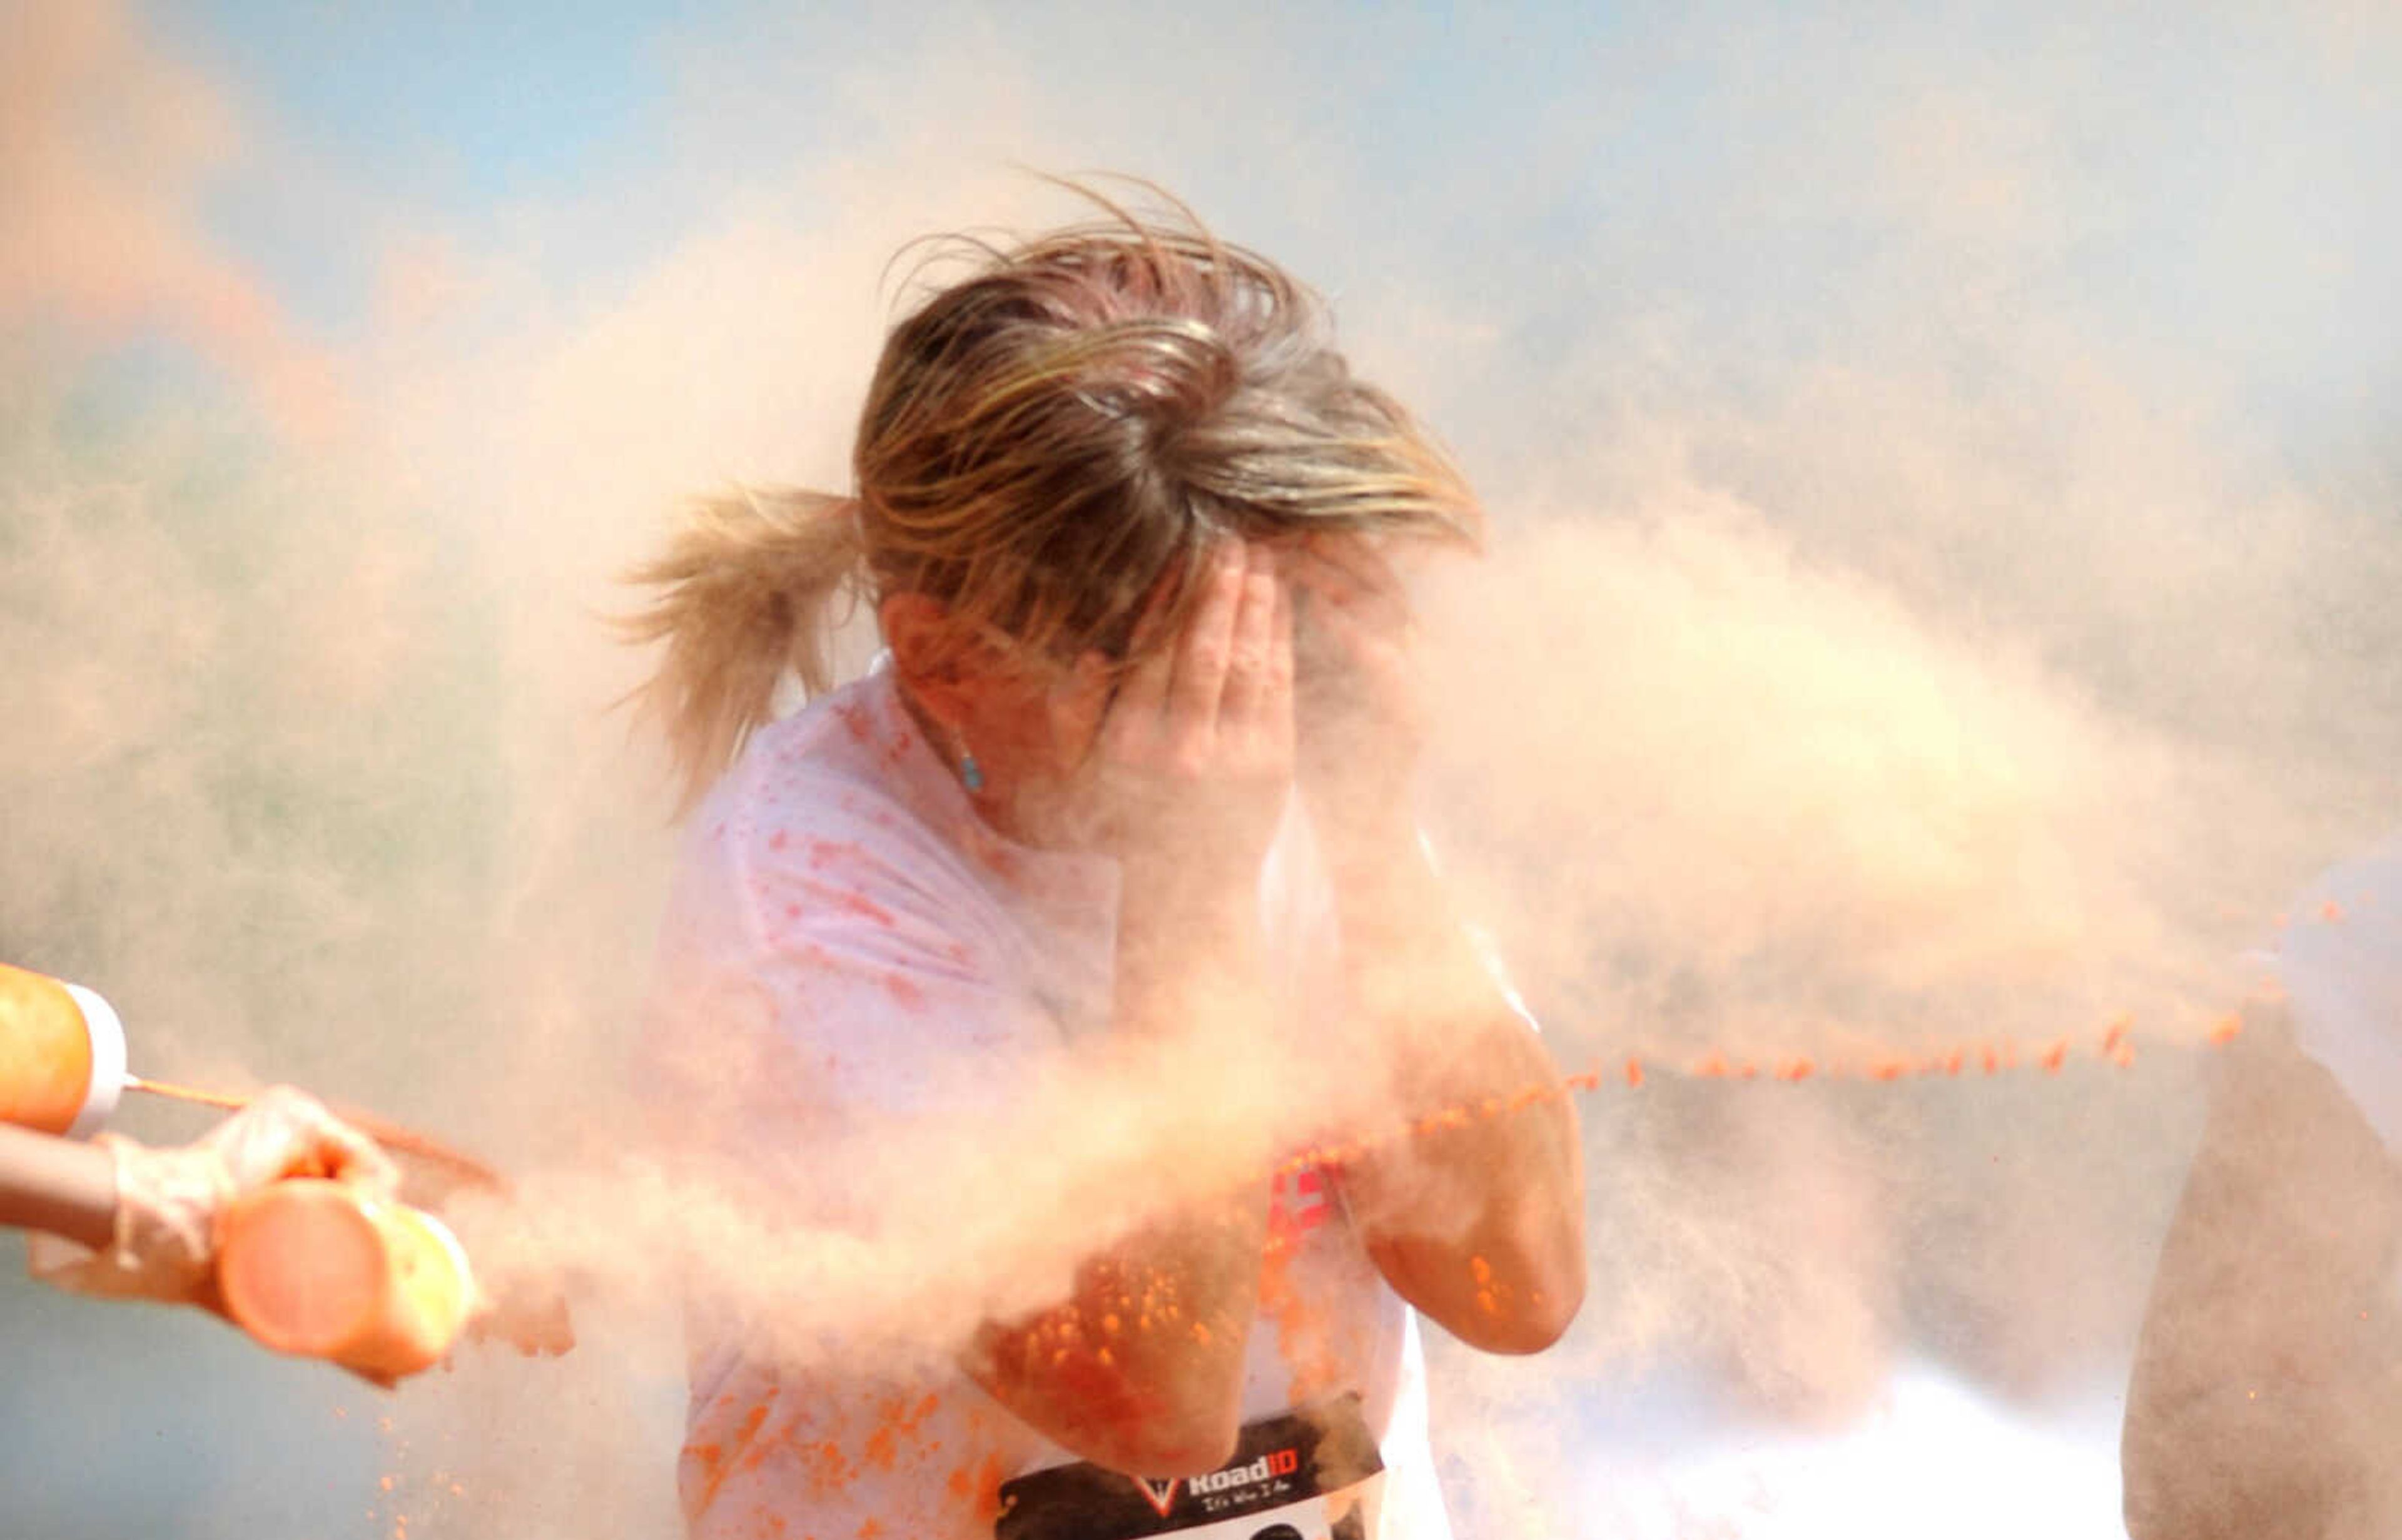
x: 1132, y: 784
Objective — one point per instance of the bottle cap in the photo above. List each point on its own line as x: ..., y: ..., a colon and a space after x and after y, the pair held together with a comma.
x: 107, y: 1083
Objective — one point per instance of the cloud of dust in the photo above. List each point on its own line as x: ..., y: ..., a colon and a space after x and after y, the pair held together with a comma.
x: 1897, y: 637
x: 109, y: 145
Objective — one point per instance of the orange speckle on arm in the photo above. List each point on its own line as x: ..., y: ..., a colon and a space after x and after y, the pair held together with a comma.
x: 988, y: 1495
x: 2227, y: 1031
x: 2054, y: 1057
x: 1634, y: 1070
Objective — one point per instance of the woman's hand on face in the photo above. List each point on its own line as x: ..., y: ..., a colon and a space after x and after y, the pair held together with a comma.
x: 1358, y: 704
x: 1195, y: 755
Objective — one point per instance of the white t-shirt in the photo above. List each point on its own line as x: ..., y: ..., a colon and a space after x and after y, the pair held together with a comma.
x: 839, y: 900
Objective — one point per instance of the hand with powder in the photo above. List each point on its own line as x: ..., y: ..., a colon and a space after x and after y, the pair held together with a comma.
x: 150, y: 1231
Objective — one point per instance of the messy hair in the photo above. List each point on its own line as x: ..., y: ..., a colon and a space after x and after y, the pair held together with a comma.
x: 1049, y: 440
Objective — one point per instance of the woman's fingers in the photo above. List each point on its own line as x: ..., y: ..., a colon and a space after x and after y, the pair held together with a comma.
x: 1226, y: 682
x: 1358, y: 558
x: 1253, y: 663
x: 1350, y: 574
x: 1133, y: 716
x: 1205, y: 653
x: 285, y: 1131
x: 1079, y: 702
x: 1280, y: 659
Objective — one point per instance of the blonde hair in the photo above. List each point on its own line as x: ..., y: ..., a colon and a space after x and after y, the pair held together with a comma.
x: 1075, y: 423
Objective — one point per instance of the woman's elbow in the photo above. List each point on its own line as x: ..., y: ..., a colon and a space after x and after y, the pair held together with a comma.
x: 1529, y: 1326
x: 1518, y: 1308
x: 1185, y: 1443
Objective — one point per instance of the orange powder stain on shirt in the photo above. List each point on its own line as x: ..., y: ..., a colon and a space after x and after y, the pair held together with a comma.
x: 822, y: 1464
x: 979, y: 1487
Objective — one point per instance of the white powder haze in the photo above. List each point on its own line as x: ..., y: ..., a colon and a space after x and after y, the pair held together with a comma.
x: 1944, y: 487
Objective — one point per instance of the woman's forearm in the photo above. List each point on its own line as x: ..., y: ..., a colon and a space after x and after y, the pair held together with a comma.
x: 60, y: 1186
x: 1478, y: 1217
x: 1140, y: 1370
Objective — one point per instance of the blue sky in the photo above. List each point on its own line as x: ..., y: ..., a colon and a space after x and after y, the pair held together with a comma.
x: 2198, y: 195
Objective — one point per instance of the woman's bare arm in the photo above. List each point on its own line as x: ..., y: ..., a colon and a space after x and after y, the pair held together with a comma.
x: 62, y: 1187
x: 1478, y: 1220
x: 2267, y: 1377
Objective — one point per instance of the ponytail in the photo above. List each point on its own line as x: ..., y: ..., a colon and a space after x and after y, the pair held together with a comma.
x: 744, y: 591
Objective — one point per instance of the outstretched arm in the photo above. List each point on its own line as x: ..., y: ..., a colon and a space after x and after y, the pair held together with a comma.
x: 58, y: 1185
x: 147, y: 1218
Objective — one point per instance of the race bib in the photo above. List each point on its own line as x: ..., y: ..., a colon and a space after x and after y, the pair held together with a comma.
x: 1310, y: 1474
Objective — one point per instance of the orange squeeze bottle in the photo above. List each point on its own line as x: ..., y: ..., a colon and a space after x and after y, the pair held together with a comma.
x: 61, y: 1054
x: 316, y: 1268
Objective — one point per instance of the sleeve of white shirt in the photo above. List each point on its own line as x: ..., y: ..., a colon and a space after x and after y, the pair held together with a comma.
x: 2339, y: 960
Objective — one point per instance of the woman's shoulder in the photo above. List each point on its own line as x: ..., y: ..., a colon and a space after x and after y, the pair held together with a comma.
x: 830, y: 794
